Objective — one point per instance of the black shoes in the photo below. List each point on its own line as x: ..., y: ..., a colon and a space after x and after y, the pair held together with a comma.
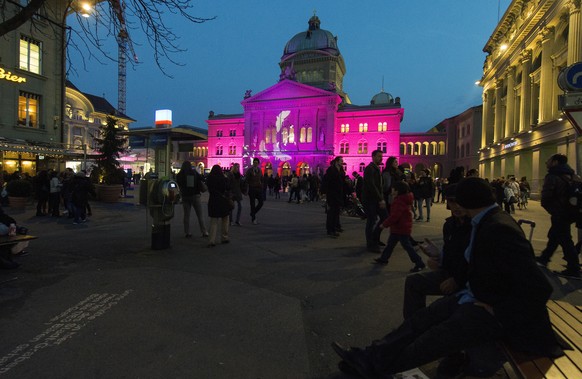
x: 541, y: 261
x: 417, y: 268
x: 354, y: 360
x: 380, y: 243
x: 333, y: 234
x: 380, y: 261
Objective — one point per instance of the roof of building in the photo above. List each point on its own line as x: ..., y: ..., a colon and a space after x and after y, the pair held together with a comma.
x: 314, y: 38
x: 382, y: 98
x: 100, y: 104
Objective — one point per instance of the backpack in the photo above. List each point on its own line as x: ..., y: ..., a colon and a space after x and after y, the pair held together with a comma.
x: 574, y: 198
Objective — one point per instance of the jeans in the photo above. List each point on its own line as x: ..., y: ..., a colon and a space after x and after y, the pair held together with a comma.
x: 374, y: 215
x: 419, y: 206
x: 255, y: 195
x: 418, y: 286
x: 193, y: 202
x: 238, y: 210
x: 404, y: 240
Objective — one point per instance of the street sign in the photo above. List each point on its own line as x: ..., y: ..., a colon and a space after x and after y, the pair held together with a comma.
x: 572, y: 99
x: 570, y: 78
x: 574, y: 115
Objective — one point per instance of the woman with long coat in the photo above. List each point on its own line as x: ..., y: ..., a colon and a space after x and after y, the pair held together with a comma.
x: 218, y: 204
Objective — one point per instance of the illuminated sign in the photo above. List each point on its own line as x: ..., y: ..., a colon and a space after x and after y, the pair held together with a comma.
x: 509, y: 145
x: 163, y: 118
x: 7, y: 75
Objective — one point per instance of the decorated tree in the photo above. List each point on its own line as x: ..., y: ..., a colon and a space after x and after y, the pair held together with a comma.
x: 110, y: 144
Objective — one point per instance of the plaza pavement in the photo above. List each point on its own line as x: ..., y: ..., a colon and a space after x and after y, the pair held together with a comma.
x: 94, y: 301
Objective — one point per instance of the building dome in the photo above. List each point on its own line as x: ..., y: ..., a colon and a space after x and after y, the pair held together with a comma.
x: 382, y: 98
x: 312, y: 39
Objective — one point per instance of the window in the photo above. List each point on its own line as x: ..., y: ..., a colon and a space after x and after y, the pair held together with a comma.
x: 345, y: 128
x: 309, y: 134
x: 285, y: 135
x: 267, y: 135
x: 28, y: 109
x: 219, y: 133
x: 363, y: 127
x: 302, y: 135
x: 382, y: 126
x: 362, y: 147
x: 232, y: 133
x: 344, y: 148
x: 381, y: 146
x: 232, y: 150
x: 291, y: 134
x: 274, y: 135
x: 29, y: 55
x: 362, y: 167
x: 218, y: 149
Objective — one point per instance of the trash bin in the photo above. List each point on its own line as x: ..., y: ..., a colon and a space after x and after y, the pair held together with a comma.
x: 160, y: 236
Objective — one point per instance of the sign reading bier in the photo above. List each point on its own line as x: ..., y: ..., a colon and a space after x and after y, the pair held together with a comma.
x: 7, y: 75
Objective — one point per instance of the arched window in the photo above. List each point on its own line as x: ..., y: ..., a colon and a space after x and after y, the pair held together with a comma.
x: 268, y: 135
x: 309, y: 134
x: 291, y: 135
x: 232, y: 149
x: 382, y: 126
x: 381, y: 145
x: 402, y: 149
x: 410, y: 150
x: 302, y: 135
x: 285, y: 135
x: 344, y: 148
x: 274, y: 135
x: 218, y: 149
x: 362, y: 166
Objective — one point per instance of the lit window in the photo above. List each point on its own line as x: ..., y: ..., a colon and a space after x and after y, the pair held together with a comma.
x: 365, y: 127
x: 274, y: 135
x: 382, y: 126
x: 347, y: 128
x: 361, y: 128
x: 232, y: 150
x: 285, y: 135
x: 267, y: 136
x: 302, y: 135
x: 291, y: 134
x: 309, y: 134
x: 29, y: 55
x: 362, y: 147
x: 28, y: 110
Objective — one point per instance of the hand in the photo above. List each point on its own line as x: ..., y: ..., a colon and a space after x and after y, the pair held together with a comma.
x: 448, y: 286
x: 381, y: 226
x: 487, y: 307
x: 429, y: 248
x: 382, y: 204
x: 433, y: 264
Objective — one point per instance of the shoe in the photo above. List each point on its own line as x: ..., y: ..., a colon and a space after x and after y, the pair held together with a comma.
x: 380, y: 261
x: 417, y: 268
x: 225, y: 241
x: 211, y: 244
x: 205, y: 234
x: 339, y: 230
x: 355, y: 359
x: 84, y: 220
x: 188, y: 235
x: 428, y: 219
x: 569, y: 273
x: 333, y: 234
x: 237, y: 223
x: 541, y: 262
x: 380, y: 243
x: 255, y: 222
x: 413, y: 242
x: 76, y: 223
x: 347, y: 369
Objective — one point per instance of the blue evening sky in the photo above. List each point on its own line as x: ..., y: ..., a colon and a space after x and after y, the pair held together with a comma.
x: 429, y: 52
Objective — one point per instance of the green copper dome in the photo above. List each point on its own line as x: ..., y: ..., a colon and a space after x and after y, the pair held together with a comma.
x: 312, y: 39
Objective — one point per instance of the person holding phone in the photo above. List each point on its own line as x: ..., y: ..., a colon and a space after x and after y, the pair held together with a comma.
x: 448, y: 272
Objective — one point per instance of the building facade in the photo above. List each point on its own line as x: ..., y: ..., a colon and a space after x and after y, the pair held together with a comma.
x: 303, y: 121
x: 522, y: 123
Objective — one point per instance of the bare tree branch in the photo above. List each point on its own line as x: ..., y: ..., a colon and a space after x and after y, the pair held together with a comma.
x: 21, y: 17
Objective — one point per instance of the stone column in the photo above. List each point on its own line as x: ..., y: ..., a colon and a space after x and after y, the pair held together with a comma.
x: 546, y: 78
x: 525, y: 110
x: 485, y: 119
x: 497, y: 131
x: 574, y: 32
x: 510, y: 103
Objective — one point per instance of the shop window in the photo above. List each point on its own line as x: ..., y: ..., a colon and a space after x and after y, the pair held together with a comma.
x: 267, y: 135
x: 291, y: 135
x: 28, y: 110
x: 30, y: 53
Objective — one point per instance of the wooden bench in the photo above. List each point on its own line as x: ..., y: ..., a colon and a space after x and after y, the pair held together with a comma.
x: 567, y: 323
x: 6, y: 243
x: 11, y: 240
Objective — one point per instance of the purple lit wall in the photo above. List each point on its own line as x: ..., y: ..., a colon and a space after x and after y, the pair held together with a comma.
x: 296, y: 127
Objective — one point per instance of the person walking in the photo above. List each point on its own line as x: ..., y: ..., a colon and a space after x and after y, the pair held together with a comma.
x: 55, y: 194
x: 218, y: 205
x: 334, y: 179
x: 555, y: 201
x: 400, y: 223
x: 81, y: 188
x: 234, y: 177
x: 191, y: 185
x: 254, y: 179
x: 373, y: 201
x: 425, y: 194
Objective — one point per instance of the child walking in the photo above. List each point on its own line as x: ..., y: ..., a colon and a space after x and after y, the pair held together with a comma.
x: 400, y: 223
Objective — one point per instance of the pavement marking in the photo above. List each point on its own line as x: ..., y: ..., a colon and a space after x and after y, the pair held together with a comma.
x: 63, y: 326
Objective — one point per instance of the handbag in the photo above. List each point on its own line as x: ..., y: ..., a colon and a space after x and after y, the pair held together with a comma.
x: 228, y: 201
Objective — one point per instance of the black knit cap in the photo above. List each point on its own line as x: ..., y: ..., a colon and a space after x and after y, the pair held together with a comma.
x: 473, y: 193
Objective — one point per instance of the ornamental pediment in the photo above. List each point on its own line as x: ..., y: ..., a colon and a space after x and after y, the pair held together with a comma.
x: 291, y: 90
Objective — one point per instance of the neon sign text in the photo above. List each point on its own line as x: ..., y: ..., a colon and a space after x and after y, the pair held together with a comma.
x: 7, y: 75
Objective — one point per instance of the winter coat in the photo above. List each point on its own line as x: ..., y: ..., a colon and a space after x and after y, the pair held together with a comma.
x: 555, y: 190
x: 217, y: 203
x: 400, y: 219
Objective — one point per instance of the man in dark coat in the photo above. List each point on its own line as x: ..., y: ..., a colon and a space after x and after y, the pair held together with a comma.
x: 555, y: 202
x: 373, y: 201
x: 505, y: 299
x: 334, y: 181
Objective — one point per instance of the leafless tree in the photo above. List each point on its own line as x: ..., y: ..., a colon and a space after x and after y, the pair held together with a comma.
x: 111, y: 19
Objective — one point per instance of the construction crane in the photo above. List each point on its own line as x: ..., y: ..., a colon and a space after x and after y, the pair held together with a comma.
x: 123, y: 42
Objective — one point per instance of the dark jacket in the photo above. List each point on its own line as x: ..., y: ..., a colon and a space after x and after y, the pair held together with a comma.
x: 503, y: 273
x: 456, y: 236
x: 334, y: 179
x: 425, y: 187
x: 400, y: 219
x: 189, y: 183
x: 235, y: 185
x: 217, y: 189
x: 555, y: 190
x: 81, y: 188
x: 254, y: 178
x: 372, y: 191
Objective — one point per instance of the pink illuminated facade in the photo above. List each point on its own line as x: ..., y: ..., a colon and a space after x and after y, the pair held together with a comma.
x: 303, y: 121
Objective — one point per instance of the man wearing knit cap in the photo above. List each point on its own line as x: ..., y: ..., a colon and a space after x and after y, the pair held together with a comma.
x: 505, y: 299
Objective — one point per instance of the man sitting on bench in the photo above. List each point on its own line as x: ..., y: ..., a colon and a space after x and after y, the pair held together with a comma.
x: 7, y: 250
x: 504, y: 299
